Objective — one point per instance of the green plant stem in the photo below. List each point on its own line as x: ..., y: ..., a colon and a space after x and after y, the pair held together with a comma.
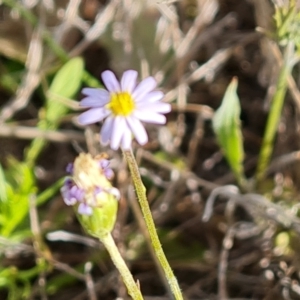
x: 141, y: 194
x: 132, y: 287
x: 49, y: 192
x: 275, y: 112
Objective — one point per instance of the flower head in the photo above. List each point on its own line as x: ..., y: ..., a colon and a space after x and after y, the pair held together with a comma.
x: 89, y: 182
x: 88, y: 189
x: 123, y: 106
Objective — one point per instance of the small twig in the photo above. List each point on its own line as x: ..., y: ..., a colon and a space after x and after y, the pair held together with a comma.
x: 100, y: 25
x: 40, y: 248
x: 223, y: 264
x: 70, y: 19
x: 171, y: 24
x: 208, y: 11
x: 102, y: 285
x: 211, y: 67
x: 183, y: 173
x: 61, y: 235
x: 66, y: 268
x: 201, y: 39
x: 165, y: 206
x: 222, y: 190
x: 283, y: 161
x: 195, y: 141
x: 30, y: 81
x: 89, y: 281
x: 29, y: 133
x: 255, y: 204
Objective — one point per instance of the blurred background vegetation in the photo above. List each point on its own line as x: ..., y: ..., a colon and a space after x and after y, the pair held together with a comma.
x: 222, y: 177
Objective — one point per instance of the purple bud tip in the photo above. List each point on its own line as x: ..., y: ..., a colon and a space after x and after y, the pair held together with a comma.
x: 71, y: 193
x: 68, y: 182
x: 104, y: 163
x: 70, y: 168
x: 109, y: 174
x: 84, y: 209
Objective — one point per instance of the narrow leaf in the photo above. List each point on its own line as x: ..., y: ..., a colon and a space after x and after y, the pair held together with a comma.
x: 226, y: 125
x: 65, y: 85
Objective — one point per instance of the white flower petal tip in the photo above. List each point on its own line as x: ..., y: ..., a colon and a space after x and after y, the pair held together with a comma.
x: 122, y: 107
x: 143, y: 88
x: 92, y: 116
x: 138, y: 130
x: 92, y: 92
x: 153, y: 96
x: 110, y: 81
x: 128, y: 81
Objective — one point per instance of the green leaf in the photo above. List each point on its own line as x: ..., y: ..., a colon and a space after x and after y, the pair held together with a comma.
x: 65, y: 85
x: 226, y: 125
x: 48, y: 193
x: 60, y: 281
x: 20, y: 186
x: 3, y: 193
x: 90, y: 80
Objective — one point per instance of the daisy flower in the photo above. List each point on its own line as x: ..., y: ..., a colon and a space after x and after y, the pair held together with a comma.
x: 123, y: 106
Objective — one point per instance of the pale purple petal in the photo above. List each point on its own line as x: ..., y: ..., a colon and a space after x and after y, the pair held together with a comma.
x: 145, y: 86
x: 159, y: 107
x: 70, y: 201
x: 106, y: 130
x: 128, y: 81
x: 104, y: 163
x: 65, y: 191
x: 77, y: 193
x: 94, y: 102
x: 126, y: 140
x: 93, y: 115
x: 138, y: 130
x: 109, y: 173
x: 71, y: 193
x: 84, y: 209
x: 70, y: 168
x: 153, y: 96
x: 150, y: 117
x: 110, y: 81
x: 119, y: 129
x: 95, y: 93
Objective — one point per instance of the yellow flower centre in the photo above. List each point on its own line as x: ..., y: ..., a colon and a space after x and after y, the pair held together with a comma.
x: 121, y: 104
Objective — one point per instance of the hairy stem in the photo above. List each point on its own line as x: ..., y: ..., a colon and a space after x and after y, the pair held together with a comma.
x: 132, y: 287
x: 141, y: 195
